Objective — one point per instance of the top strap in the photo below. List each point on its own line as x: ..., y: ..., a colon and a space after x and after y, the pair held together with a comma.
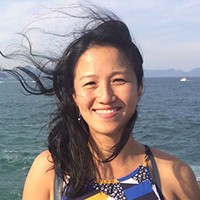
x: 57, y: 185
x: 155, y: 170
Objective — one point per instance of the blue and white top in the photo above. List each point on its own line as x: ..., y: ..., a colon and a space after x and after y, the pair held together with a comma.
x: 138, y: 185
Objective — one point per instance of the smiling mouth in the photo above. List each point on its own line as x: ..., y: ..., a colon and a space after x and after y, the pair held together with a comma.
x: 106, y: 111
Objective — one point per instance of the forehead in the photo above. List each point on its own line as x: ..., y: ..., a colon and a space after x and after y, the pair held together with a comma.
x: 105, y: 59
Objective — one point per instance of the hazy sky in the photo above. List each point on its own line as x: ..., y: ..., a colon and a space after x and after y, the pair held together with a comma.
x: 167, y: 31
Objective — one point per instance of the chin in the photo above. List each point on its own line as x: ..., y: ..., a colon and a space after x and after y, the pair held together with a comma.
x: 107, y: 130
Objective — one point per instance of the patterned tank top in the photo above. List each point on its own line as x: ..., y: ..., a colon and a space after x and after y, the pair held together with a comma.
x: 138, y: 185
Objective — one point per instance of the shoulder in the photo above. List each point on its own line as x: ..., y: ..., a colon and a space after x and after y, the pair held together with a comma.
x: 36, y: 184
x: 177, y: 178
x: 44, y: 160
x: 42, y: 165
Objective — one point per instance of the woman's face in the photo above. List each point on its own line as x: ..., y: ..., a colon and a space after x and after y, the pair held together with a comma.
x: 106, y: 90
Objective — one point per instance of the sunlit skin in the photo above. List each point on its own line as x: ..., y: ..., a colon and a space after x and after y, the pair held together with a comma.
x: 106, y: 91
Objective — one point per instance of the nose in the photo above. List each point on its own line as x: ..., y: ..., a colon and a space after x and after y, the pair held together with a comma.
x: 105, y: 94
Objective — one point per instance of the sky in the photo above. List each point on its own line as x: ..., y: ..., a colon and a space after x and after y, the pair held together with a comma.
x: 166, y: 31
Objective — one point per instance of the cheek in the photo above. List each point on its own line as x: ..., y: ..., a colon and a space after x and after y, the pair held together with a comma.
x: 82, y: 93
x: 85, y: 95
x: 130, y: 97
x: 84, y: 101
x: 127, y: 93
x: 131, y: 100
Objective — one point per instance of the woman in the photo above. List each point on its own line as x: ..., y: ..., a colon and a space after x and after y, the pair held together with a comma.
x: 92, y: 153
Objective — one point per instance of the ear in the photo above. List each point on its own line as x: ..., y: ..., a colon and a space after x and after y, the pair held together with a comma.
x: 75, y: 98
x: 140, y: 92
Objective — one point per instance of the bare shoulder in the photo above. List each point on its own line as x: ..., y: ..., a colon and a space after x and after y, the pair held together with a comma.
x: 36, y: 184
x: 43, y: 164
x: 44, y: 159
x: 177, y: 178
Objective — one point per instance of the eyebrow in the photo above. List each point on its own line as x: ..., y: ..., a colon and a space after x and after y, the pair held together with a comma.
x: 87, y: 76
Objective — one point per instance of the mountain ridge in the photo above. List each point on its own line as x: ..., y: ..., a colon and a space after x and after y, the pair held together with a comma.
x: 172, y: 73
x: 147, y: 73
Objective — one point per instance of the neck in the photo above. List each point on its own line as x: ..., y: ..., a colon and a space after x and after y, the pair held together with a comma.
x: 129, y: 158
x: 102, y: 145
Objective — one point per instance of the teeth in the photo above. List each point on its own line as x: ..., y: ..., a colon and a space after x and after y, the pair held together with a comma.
x: 105, y: 111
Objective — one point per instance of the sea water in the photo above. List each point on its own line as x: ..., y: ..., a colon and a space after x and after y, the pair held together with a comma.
x: 169, y: 119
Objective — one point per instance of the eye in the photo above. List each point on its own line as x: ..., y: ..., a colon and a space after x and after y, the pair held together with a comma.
x: 119, y: 81
x: 89, y: 84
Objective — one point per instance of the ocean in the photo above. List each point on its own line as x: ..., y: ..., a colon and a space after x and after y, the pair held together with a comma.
x: 169, y: 119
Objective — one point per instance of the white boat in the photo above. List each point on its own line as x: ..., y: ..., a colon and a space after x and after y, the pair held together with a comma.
x: 183, y: 79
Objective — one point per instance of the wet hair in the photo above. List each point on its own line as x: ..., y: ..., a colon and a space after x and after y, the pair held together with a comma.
x: 69, y: 140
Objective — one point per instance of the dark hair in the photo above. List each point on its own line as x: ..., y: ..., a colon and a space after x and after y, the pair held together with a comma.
x: 69, y: 139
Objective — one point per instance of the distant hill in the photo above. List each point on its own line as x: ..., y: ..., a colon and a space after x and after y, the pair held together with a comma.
x: 172, y: 73
x: 147, y: 73
x: 7, y: 76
